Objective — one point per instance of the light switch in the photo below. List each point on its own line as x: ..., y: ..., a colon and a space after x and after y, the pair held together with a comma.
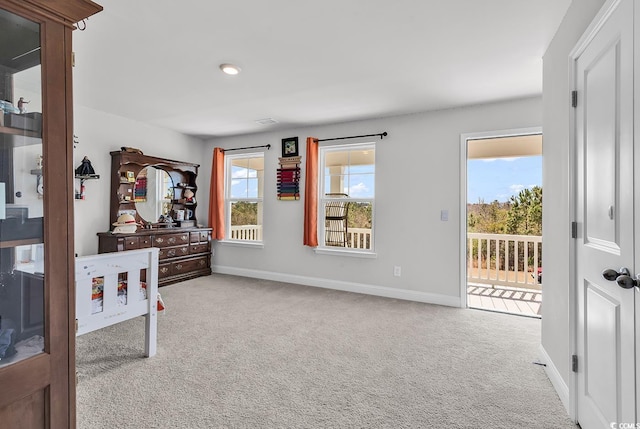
x: 444, y: 215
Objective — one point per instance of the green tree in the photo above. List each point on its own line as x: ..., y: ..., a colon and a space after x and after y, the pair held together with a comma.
x: 359, y: 215
x: 487, y: 218
x: 244, y: 213
x: 525, y: 214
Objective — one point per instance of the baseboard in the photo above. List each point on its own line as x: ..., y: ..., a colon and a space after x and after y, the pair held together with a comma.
x: 556, y: 379
x: 408, y: 295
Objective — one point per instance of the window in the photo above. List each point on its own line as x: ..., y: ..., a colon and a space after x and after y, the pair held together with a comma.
x: 347, y: 190
x: 244, y: 192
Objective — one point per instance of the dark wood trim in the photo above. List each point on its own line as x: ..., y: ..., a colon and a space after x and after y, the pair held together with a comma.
x: 43, y: 386
x: 57, y: 210
x: 31, y: 375
x: 71, y: 290
x: 30, y: 412
x: 14, y: 243
x: 137, y: 158
x: 65, y: 12
x: 19, y: 132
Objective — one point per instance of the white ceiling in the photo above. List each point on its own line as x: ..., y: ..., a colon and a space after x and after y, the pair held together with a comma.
x: 307, y: 62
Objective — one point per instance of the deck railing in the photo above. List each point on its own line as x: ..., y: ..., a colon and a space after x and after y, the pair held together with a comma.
x: 505, y: 260
x: 246, y: 232
x: 357, y: 238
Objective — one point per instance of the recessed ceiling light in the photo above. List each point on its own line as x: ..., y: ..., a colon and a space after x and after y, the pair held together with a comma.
x: 230, y: 69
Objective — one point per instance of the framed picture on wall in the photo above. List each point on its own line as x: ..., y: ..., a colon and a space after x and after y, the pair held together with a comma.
x: 290, y: 146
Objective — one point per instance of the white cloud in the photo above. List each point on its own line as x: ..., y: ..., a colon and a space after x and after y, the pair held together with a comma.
x: 243, y: 173
x: 516, y: 188
x: 358, y: 189
x: 506, y: 159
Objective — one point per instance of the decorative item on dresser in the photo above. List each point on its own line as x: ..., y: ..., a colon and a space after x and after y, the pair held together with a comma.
x: 185, y: 253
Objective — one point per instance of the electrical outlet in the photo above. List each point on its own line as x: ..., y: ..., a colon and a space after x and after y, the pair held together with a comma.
x: 397, y: 271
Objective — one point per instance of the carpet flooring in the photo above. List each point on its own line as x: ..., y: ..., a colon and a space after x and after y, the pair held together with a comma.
x: 245, y: 353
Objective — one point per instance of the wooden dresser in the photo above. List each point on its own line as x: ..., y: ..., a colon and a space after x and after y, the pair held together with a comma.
x: 185, y: 253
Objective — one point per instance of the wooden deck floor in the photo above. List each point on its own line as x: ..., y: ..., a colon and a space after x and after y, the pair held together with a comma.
x: 525, y: 302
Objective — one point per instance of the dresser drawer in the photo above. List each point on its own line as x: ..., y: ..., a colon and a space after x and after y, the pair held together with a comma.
x: 164, y: 270
x: 172, y: 252
x: 165, y: 240
x: 131, y: 243
x: 145, y: 241
x: 199, y: 248
x: 199, y: 236
x: 190, y: 265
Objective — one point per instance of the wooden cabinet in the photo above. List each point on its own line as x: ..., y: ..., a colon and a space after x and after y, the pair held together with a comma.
x: 185, y: 253
x: 38, y: 391
x: 150, y: 187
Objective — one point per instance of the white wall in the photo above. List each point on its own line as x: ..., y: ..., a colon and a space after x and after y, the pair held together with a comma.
x: 418, y: 174
x: 100, y: 133
x: 555, y: 219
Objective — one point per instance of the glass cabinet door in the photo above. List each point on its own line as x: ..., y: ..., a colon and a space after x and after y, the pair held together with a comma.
x: 22, y: 191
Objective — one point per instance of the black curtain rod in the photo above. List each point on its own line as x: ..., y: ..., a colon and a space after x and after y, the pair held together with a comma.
x: 268, y: 146
x: 382, y: 135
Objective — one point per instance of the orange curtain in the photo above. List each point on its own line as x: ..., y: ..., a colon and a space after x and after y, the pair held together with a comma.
x: 216, y: 195
x: 311, y: 195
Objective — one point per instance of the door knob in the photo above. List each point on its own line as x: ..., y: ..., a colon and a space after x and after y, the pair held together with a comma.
x: 627, y: 282
x: 611, y: 275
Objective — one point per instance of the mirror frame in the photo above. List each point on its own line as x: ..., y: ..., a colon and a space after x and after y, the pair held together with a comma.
x: 139, y: 204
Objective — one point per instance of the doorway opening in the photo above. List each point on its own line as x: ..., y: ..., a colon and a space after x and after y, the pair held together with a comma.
x: 502, y: 228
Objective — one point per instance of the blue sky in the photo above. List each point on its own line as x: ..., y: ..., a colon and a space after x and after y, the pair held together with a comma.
x: 500, y: 178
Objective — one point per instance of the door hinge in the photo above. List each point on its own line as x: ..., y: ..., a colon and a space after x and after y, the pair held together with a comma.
x: 574, y: 98
x: 76, y: 326
x: 574, y: 363
x: 574, y: 229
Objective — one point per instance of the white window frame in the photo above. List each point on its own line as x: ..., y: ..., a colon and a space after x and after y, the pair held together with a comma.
x: 333, y: 250
x: 228, y: 200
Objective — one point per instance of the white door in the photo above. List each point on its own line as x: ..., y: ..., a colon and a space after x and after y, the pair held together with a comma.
x: 605, y: 216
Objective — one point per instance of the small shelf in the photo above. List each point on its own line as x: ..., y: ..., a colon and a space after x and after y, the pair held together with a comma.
x: 83, y: 178
x: 183, y: 203
x: 87, y: 176
x: 22, y: 242
x: 19, y: 132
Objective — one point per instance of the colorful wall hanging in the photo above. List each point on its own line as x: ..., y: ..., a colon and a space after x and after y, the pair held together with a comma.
x: 289, y: 178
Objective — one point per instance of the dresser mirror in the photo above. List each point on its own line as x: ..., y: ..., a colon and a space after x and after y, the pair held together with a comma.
x: 153, y: 193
